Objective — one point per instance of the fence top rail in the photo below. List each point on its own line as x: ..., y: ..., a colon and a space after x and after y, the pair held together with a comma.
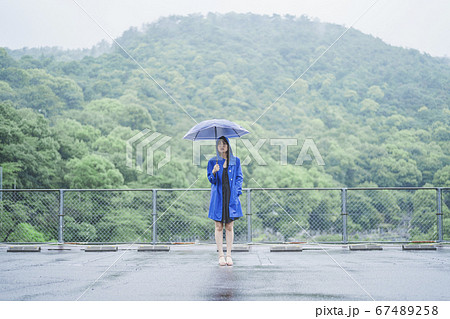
x: 207, y: 189
x: 354, y: 188
x: 31, y: 190
x: 395, y: 188
x: 103, y: 189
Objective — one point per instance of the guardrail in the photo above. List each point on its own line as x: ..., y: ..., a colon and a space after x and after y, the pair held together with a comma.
x: 331, y: 215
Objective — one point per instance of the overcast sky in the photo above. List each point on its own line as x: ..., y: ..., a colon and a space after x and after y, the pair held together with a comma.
x: 419, y: 24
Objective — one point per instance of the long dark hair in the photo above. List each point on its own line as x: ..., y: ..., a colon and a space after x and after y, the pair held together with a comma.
x: 228, y: 147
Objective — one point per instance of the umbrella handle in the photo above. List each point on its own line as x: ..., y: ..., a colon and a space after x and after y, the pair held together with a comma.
x: 215, y: 140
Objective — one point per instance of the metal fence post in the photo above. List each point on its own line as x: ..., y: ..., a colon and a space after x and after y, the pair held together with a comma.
x: 249, y: 217
x: 344, y: 216
x: 1, y: 183
x: 154, y: 216
x: 61, y: 217
x: 439, y: 213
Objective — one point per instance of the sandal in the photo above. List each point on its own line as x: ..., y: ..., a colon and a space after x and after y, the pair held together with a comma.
x: 229, y: 261
x: 222, y: 261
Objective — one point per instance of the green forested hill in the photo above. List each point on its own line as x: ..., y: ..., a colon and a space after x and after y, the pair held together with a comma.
x: 378, y: 114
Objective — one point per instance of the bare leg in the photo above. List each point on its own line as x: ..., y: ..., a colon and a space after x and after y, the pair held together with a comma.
x: 219, y: 240
x: 229, y: 234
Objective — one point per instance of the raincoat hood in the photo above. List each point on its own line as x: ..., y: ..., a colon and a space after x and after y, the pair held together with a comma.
x: 219, y: 158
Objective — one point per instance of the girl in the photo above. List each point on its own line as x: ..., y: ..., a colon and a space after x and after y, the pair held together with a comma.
x: 225, y: 176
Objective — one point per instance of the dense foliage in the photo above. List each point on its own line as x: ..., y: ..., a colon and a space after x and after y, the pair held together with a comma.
x: 378, y: 114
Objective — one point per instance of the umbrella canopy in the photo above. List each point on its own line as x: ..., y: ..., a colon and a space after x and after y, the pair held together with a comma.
x: 212, y: 129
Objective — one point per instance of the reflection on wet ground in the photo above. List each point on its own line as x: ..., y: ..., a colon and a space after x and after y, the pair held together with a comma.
x: 223, y: 286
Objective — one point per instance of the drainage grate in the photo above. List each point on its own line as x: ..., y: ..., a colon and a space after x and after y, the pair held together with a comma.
x: 100, y: 248
x: 418, y: 247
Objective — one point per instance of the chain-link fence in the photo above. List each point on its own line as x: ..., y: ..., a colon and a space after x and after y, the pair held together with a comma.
x: 296, y: 215
x: 395, y: 215
x: 29, y: 216
x: 107, y: 216
x: 270, y: 215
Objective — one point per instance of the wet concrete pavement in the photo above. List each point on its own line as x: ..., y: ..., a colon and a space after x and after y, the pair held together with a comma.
x: 191, y: 272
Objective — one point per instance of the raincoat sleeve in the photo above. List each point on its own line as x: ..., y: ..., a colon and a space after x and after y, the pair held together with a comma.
x: 211, y: 177
x: 239, y: 177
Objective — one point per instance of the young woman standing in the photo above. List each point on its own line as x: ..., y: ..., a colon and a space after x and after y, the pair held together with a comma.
x: 225, y: 176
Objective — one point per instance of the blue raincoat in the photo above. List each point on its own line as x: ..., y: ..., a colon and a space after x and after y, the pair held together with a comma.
x: 235, y: 179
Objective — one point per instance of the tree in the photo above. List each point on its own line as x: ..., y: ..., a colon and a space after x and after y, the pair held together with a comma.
x: 389, y: 171
x: 92, y: 171
x: 6, y: 92
x: 5, y: 60
x: 68, y: 91
x: 375, y: 92
x: 28, y: 148
x: 442, y: 177
x: 369, y: 105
